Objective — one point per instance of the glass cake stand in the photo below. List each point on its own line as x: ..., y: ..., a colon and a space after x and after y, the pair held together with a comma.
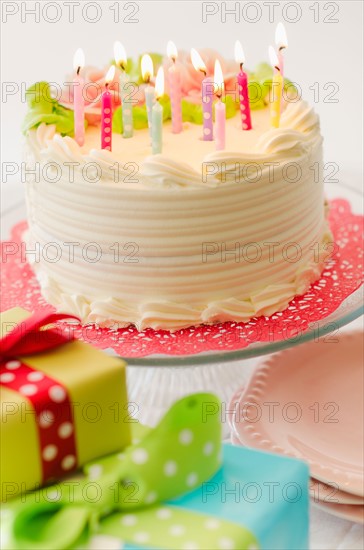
x: 158, y: 380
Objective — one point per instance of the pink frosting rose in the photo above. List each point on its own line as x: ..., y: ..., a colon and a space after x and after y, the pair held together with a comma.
x: 94, y: 87
x: 191, y: 79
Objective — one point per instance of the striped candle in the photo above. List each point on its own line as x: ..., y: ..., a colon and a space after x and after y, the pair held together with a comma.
x: 157, y: 114
x: 277, y: 87
x: 78, y: 101
x: 125, y: 96
x: 147, y: 74
x: 281, y: 43
x: 175, y: 89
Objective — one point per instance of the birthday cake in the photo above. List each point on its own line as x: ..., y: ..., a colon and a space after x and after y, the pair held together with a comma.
x: 190, y: 235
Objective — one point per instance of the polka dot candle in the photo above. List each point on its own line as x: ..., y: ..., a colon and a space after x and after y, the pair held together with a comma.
x: 106, y: 112
x: 207, y: 96
x: 207, y: 102
x: 242, y: 77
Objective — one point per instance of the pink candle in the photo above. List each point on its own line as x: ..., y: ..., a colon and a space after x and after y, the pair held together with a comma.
x: 242, y: 77
x: 175, y: 89
x: 106, y: 112
x: 220, y: 109
x: 207, y: 96
x: 78, y: 101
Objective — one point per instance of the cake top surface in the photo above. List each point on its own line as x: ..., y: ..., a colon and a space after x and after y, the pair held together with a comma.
x: 185, y: 159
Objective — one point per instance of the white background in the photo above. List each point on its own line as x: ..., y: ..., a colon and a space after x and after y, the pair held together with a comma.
x: 320, y: 52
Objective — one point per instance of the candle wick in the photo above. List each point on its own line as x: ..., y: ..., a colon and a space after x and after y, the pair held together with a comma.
x: 78, y: 70
x: 278, y: 68
x: 281, y: 48
x: 241, y: 66
x: 106, y: 85
x: 203, y: 71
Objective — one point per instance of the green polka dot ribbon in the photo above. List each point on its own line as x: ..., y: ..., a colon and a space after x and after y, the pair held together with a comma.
x: 123, y: 494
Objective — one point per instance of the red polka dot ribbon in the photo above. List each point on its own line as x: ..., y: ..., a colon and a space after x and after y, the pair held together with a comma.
x: 49, y: 398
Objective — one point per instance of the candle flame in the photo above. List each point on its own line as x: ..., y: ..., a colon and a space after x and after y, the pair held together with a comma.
x: 159, y: 83
x: 78, y: 60
x: 197, y: 61
x: 239, y: 53
x: 110, y: 74
x: 172, y: 51
x: 147, y: 67
x: 218, y: 79
x: 281, y: 36
x: 120, y: 55
x: 273, y: 58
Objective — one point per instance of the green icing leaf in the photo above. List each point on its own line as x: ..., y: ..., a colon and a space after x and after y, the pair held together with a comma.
x: 117, y: 121
x: 42, y: 107
x: 260, y: 84
x: 140, y: 117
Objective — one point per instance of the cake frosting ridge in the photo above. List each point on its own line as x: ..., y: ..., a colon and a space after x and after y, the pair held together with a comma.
x: 186, y: 237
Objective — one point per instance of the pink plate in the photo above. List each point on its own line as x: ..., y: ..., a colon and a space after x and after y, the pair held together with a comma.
x: 308, y: 403
x: 326, y: 494
x: 344, y: 511
x: 319, y: 491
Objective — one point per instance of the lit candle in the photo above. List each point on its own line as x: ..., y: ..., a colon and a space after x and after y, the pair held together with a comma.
x: 220, y: 109
x: 78, y: 101
x: 277, y: 86
x: 147, y: 74
x: 106, y: 112
x: 175, y: 89
x: 242, y: 77
x: 157, y: 114
x: 207, y: 96
x: 126, y: 102
x: 281, y: 43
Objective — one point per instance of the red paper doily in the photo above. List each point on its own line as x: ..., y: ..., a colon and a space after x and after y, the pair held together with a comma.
x: 341, y: 277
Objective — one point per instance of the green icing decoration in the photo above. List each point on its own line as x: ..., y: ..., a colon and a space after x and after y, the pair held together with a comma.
x: 43, y: 108
x: 140, y: 118
x: 260, y: 84
x: 177, y: 456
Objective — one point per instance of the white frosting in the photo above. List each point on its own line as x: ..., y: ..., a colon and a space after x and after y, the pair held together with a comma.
x: 185, y: 201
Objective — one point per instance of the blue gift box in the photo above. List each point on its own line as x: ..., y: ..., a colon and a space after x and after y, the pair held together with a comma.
x: 264, y: 492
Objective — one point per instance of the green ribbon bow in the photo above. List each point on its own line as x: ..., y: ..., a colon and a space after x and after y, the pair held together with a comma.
x: 121, y: 494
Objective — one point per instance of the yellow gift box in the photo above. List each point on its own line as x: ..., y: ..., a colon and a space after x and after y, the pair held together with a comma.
x: 96, y: 386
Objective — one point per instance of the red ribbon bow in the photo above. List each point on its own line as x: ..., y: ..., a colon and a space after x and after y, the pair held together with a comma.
x: 49, y: 397
x: 27, y: 338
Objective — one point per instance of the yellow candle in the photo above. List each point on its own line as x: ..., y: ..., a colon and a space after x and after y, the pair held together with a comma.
x: 277, y: 88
